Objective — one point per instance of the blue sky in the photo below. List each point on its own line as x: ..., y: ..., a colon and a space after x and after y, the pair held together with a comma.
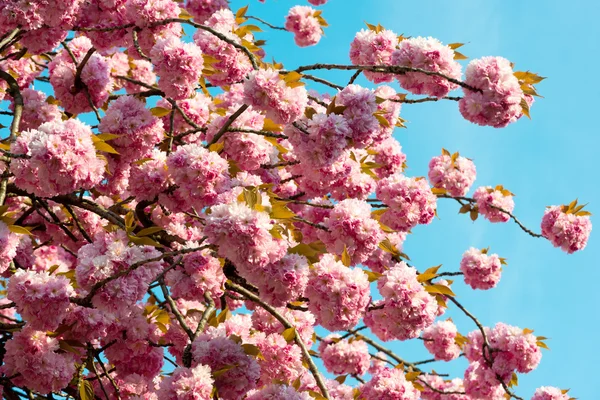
x: 548, y: 160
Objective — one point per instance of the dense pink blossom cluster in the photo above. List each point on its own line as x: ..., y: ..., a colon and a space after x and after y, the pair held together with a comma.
x: 178, y: 66
x: 481, y: 383
x: 187, y: 383
x: 195, y: 108
x: 360, y: 105
x: 8, y: 246
x: 491, y: 200
x: 305, y: 26
x: 38, y: 361
x: 570, y: 231
x: 201, y: 273
x: 149, y: 178
x: 410, y: 201
x: 145, y: 12
x: 201, y: 10
x: 141, y: 71
x: 317, y: 2
x: 496, y: 100
x: 303, y: 321
x: 389, y: 384
x: 282, y: 281
x: 481, y: 270
x: 456, y: 175
x: 549, y: 393
x: 380, y: 260
x: 431, y: 55
x: 96, y: 81
x: 351, y: 229
x: 62, y: 159
x: 280, y: 360
x: 374, y: 48
x: 338, y: 296
x: 241, y: 372
x: 278, y: 392
x: 42, y: 299
x: 344, y: 356
x: 406, y: 309
x: 266, y: 90
x: 440, y: 385
x: 36, y: 110
x: 439, y: 340
x: 233, y: 65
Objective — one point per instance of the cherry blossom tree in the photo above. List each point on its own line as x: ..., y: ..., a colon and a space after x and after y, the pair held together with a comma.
x: 179, y: 217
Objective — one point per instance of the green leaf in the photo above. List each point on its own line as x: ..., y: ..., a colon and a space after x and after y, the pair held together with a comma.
x: 289, y: 334
x: 149, y: 231
x: 221, y: 371
x: 346, y: 259
x: 251, y: 350
x: 107, y: 136
x: 160, y: 111
x: 440, y: 289
x: 21, y: 230
x: 105, y: 147
x: 86, y: 390
x: 372, y: 276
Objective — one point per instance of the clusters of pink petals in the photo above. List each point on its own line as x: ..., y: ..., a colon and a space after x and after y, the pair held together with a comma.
x: 62, y: 158
x: 36, y: 110
x: 42, y: 299
x: 338, y: 296
x: 550, y: 393
x: 440, y: 386
x: 439, y: 340
x: 410, y: 201
x: 265, y: 90
x: 374, y: 48
x: 278, y: 392
x: 344, y: 356
x: 490, y: 201
x: 38, y: 361
x: 480, y: 270
x: 456, y: 176
x: 570, y: 232
x: 280, y: 361
x: 187, y: 383
x: 145, y: 12
x: 406, y: 308
x: 497, y: 102
x: 201, y: 10
x: 304, y: 25
x: 201, y: 273
x: 389, y: 384
x: 178, y: 66
x: 8, y: 246
x: 351, y: 228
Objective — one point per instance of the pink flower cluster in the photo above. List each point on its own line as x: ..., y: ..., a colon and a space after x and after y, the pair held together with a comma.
x: 201, y: 10
x: 187, y: 383
x: 241, y: 372
x: 199, y: 174
x: 281, y: 361
x: 440, y: 385
x: 481, y: 383
x: 344, y: 356
x: 380, y: 260
x: 36, y: 110
x: 498, y: 101
x: 410, y: 201
x: 148, y: 179
x: 8, y: 246
x: 233, y: 65
x: 137, y: 129
x: 201, y: 273
x: 374, y: 48
x: 439, y: 340
x: 490, y: 200
x: 42, y: 299
x: 338, y: 295
x: 95, y: 78
x: 305, y: 26
x: 481, y: 270
x: 456, y: 175
x: 196, y: 108
x: 430, y: 55
x: 145, y: 12
x: 62, y: 159
x: 303, y: 321
x: 549, y: 393
x: 389, y: 384
x: 282, y: 281
x: 178, y: 66
x: 38, y: 361
x: 517, y: 350
x: 278, y: 392
x: 407, y: 308
x: 351, y: 227
x: 265, y: 90
x: 570, y: 232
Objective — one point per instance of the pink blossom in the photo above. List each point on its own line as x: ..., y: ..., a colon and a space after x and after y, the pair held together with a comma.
x: 549, y: 393
x: 360, y: 105
x: 303, y: 23
x: 439, y: 340
x: 380, y: 260
x: 281, y: 360
x: 390, y: 156
x: 62, y: 159
x: 351, y: 229
x: 491, y: 200
x: 140, y: 70
x: 195, y: 108
x: 389, y: 384
x: 456, y: 175
x: 481, y: 271
x: 201, y: 10
x: 36, y: 110
x: 481, y: 383
x: 499, y: 101
x: 266, y: 90
x: 43, y: 40
x: 344, y: 356
x: 338, y: 295
x: 282, y: 281
x: 278, y: 392
x: 410, y: 201
x: 201, y: 273
x: 431, y: 55
x: 145, y: 12
x: 441, y: 385
x: 38, y: 360
x: 220, y: 352
x: 374, y: 48
x: 303, y: 321
x: 42, y: 299
x: 8, y: 246
x: 25, y: 70
x: 105, y: 14
x: 178, y: 65
x: 570, y: 232
x: 149, y: 178
x: 187, y: 384
x: 317, y: 2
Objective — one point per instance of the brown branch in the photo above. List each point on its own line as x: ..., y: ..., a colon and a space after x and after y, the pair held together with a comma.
x: 15, y: 92
x: 279, y: 164
x: 266, y: 23
x: 136, y: 44
x: 227, y: 124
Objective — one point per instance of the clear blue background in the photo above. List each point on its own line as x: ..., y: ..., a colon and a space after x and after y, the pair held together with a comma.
x: 551, y: 159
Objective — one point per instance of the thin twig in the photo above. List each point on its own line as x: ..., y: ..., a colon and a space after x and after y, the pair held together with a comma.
x: 227, y: 124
